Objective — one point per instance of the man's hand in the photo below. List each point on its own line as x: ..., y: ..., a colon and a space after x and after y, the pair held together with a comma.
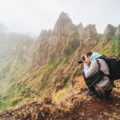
x: 87, y: 60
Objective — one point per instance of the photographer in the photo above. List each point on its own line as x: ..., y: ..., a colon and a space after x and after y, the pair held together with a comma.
x: 96, y: 75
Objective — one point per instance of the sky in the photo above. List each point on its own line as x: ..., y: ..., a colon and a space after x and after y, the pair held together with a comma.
x: 31, y: 16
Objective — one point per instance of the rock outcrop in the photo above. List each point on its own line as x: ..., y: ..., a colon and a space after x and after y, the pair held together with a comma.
x: 64, y: 25
x: 109, y: 32
x: 87, y: 33
x: 117, y: 33
x: 63, y: 40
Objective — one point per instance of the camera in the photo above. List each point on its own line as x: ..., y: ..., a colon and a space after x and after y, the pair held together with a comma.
x: 82, y: 60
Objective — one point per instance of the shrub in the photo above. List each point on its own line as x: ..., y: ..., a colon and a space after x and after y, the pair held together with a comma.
x: 16, y: 101
x: 25, y: 91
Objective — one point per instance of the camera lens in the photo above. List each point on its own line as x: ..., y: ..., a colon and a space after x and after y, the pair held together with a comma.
x: 83, y: 58
x: 80, y: 62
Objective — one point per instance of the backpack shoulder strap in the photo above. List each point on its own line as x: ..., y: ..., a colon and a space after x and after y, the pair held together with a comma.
x: 98, y: 62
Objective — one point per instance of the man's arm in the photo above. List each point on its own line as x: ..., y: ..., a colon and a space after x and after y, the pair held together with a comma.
x: 90, y: 70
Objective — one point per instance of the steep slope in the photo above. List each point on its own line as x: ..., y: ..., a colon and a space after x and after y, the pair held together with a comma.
x: 49, y: 65
x: 13, y: 59
x: 13, y: 48
x: 74, y: 105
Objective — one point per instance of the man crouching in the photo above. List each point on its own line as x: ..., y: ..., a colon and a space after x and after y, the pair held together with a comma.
x: 96, y: 74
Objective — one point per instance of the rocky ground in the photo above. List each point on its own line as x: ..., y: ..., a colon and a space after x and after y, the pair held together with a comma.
x: 74, y: 107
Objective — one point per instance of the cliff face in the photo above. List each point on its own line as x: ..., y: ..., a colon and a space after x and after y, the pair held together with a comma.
x: 63, y: 40
x: 87, y: 33
x: 109, y: 32
x: 112, y: 32
x: 14, y: 51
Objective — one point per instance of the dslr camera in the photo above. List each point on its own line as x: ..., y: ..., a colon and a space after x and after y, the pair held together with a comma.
x: 82, y: 60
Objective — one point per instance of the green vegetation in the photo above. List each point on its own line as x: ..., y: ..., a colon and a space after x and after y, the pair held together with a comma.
x: 25, y: 87
x: 25, y: 91
x: 16, y: 101
x: 111, y: 48
x: 35, y: 69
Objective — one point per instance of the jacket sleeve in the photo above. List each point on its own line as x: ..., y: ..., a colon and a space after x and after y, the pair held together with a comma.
x: 90, y: 70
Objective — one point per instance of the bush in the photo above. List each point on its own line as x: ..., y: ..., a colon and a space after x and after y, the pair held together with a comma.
x: 4, y: 104
x: 25, y: 91
x: 16, y: 101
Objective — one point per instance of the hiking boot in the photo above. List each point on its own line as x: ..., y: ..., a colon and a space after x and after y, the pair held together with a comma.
x: 106, y: 94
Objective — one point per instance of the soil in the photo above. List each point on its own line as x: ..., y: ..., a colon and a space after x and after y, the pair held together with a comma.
x: 83, y: 108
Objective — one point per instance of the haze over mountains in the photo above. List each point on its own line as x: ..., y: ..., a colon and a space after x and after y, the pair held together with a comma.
x: 37, y: 68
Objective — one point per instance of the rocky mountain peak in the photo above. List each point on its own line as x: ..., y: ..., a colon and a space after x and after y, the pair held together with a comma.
x: 117, y: 33
x: 91, y: 29
x: 64, y: 24
x: 87, y: 33
x: 80, y: 27
x: 109, y: 32
x: 44, y: 35
x: 64, y: 16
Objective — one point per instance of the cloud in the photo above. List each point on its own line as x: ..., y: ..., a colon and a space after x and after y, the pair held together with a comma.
x: 34, y: 15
